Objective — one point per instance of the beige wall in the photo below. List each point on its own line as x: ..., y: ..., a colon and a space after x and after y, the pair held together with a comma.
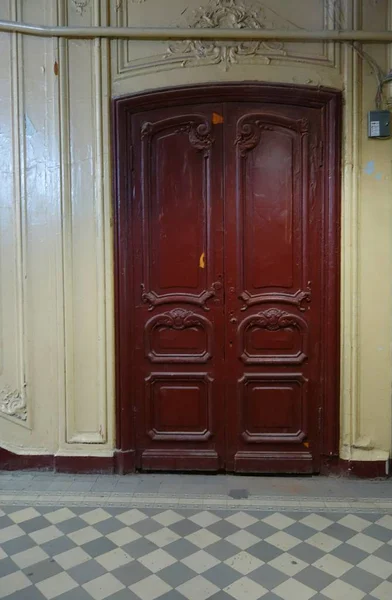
x: 56, y: 264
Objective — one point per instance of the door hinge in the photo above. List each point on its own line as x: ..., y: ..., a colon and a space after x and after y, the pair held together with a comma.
x: 320, y: 418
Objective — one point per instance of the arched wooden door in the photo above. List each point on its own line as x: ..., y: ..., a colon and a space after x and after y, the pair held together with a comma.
x: 227, y: 277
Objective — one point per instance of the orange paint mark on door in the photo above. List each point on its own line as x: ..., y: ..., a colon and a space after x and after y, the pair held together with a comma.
x: 216, y: 118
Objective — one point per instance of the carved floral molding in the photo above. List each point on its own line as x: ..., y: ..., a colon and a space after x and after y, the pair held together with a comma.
x: 13, y: 404
x: 274, y: 319
x: 80, y: 5
x: 226, y: 14
x: 178, y: 319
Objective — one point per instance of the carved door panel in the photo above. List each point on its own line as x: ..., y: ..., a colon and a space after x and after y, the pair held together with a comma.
x: 178, y: 324
x: 272, y: 272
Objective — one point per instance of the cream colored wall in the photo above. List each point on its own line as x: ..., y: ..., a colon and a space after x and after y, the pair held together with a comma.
x: 56, y: 239
x: 56, y: 263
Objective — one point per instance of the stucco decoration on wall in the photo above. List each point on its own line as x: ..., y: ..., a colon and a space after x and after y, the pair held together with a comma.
x: 13, y: 404
x: 226, y: 14
x: 139, y: 58
x: 119, y: 3
x: 80, y: 5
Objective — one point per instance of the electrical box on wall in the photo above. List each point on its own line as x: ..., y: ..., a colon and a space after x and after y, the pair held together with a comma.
x: 379, y: 124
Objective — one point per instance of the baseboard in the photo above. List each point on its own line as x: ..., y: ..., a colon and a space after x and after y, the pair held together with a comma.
x: 10, y: 461
x: 361, y: 469
x: 84, y: 464
x: 271, y: 462
x: 124, y: 462
x: 180, y: 460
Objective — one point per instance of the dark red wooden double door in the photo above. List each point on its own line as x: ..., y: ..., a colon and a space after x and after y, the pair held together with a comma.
x: 226, y: 272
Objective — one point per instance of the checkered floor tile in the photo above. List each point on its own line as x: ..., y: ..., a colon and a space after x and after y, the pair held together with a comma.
x: 84, y: 552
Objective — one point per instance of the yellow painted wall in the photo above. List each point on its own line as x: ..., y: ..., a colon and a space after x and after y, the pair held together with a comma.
x: 56, y: 263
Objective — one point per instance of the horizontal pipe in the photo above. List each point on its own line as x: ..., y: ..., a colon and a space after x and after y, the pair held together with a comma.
x: 159, y: 33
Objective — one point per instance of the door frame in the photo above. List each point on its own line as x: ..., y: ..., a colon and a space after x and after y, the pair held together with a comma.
x: 330, y: 102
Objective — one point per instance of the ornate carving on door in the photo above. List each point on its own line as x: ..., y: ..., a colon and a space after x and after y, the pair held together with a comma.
x: 196, y: 334
x: 272, y: 337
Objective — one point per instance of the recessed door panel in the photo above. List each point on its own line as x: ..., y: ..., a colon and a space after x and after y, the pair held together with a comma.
x: 273, y: 408
x: 271, y: 164
x: 179, y: 406
x: 267, y: 237
x: 273, y: 336
x: 175, y: 191
x: 178, y: 336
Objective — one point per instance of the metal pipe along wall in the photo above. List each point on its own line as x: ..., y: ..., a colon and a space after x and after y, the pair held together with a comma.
x: 159, y: 33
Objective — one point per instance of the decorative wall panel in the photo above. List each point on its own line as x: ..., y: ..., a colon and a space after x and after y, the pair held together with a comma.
x: 132, y: 58
x: 13, y: 360
x: 30, y: 379
x: 84, y: 136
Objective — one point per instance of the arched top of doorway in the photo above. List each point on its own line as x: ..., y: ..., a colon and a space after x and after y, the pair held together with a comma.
x: 251, y: 91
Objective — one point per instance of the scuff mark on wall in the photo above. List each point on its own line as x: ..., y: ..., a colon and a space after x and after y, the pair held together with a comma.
x: 369, y: 168
x: 364, y: 443
x: 29, y: 127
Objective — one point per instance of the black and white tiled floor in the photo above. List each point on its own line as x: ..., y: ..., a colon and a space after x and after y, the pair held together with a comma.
x: 114, y: 545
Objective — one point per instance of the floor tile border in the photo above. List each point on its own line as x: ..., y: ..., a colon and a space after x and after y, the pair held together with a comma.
x: 196, y: 502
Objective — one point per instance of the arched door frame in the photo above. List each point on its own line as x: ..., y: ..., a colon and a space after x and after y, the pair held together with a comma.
x: 329, y: 101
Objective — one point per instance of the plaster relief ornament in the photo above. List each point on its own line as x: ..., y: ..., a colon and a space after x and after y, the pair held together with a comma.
x: 227, y: 14
x: 13, y: 404
x: 80, y: 5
